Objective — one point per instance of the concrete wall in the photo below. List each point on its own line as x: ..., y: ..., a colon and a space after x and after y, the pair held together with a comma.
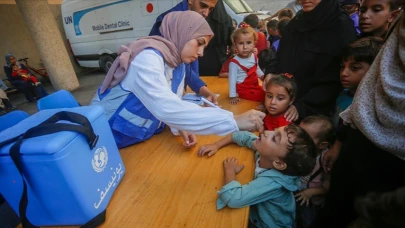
x: 16, y: 39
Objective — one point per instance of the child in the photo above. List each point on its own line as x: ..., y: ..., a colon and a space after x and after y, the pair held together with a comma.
x: 376, y: 16
x: 253, y: 21
x: 280, y: 94
x: 314, y: 186
x: 272, y: 31
x: 243, y: 69
x: 357, y: 58
x: 24, y: 75
x: 286, y: 12
x: 281, y: 26
x: 281, y: 156
x: 352, y: 8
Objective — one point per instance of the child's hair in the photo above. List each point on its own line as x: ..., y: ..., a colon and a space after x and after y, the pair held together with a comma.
x: 301, y: 155
x: 252, y: 20
x: 281, y: 25
x: 243, y: 29
x: 381, y: 210
x: 363, y: 50
x: 272, y: 24
x: 261, y: 24
x: 394, y: 5
x: 285, y: 80
x: 326, y: 128
x: 286, y: 12
x: 266, y: 57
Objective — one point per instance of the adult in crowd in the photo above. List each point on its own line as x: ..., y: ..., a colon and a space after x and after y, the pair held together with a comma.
x: 141, y: 92
x: 216, y: 52
x: 203, y: 7
x: 373, y: 154
x: 310, y: 51
x: 30, y: 90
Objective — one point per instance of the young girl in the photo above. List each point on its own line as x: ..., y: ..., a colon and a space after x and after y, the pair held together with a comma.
x: 243, y: 69
x: 281, y: 157
x: 280, y: 94
x: 24, y: 75
x: 376, y: 16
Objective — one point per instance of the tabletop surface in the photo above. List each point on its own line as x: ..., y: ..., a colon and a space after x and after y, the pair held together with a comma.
x: 167, y: 185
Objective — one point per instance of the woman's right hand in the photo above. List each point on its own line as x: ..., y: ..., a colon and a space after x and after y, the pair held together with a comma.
x: 251, y: 120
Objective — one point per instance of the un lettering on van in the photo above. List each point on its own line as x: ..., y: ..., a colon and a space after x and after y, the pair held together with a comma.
x: 68, y: 20
x: 111, y: 26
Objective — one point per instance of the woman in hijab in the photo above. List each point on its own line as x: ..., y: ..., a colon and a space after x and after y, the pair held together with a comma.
x: 216, y: 52
x: 372, y: 158
x: 141, y: 92
x: 310, y: 50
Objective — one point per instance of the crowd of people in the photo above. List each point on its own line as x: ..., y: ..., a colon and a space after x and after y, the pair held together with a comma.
x: 323, y: 71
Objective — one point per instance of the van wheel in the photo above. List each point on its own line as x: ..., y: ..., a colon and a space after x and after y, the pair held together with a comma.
x: 105, y: 62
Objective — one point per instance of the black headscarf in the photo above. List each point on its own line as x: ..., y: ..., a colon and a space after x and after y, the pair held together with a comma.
x: 322, y: 16
x: 215, y: 53
x: 221, y: 24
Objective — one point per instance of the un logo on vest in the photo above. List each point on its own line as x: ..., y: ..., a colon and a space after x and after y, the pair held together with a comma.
x: 100, y: 159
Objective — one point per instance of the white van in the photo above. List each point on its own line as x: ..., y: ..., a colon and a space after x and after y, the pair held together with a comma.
x: 95, y: 29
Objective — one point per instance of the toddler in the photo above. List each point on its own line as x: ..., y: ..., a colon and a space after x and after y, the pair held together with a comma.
x: 281, y: 156
x: 376, y: 16
x: 314, y: 186
x: 280, y: 94
x: 24, y: 75
x: 243, y: 69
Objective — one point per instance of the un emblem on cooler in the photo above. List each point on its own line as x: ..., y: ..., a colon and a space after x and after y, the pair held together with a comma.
x: 100, y: 159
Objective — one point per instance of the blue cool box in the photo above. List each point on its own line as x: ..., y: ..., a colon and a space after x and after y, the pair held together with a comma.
x: 68, y: 183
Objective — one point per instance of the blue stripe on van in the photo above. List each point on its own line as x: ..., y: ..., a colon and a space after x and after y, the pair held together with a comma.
x: 79, y: 14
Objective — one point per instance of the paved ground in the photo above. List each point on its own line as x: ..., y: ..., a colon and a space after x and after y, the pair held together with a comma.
x: 89, y: 82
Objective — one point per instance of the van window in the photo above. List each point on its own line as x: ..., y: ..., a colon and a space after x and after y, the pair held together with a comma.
x: 239, y: 6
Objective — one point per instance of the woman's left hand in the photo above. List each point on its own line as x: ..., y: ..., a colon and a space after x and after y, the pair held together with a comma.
x: 209, y: 95
x: 189, y: 139
x: 291, y: 114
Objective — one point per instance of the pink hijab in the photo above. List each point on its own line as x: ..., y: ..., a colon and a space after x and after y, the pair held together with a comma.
x: 177, y: 29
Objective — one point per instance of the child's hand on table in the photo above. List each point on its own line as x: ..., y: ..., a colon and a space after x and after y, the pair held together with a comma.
x: 234, y: 100
x: 209, y: 149
x: 231, y: 166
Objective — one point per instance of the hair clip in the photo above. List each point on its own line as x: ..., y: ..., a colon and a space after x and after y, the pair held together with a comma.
x: 288, y: 75
x: 244, y: 25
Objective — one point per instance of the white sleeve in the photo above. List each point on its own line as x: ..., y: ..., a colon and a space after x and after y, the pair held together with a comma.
x: 233, y: 74
x: 146, y: 79
x: 259, y: 71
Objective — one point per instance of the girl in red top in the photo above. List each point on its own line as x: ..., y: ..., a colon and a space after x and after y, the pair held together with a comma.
x: 243, y: 69
x: 280, y: 94
x: 24, y: 75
